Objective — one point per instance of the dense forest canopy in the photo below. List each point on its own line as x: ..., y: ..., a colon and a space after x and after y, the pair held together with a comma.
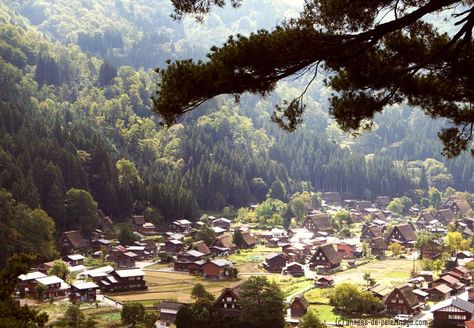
x: 376, y: 53
x: 77, y: 131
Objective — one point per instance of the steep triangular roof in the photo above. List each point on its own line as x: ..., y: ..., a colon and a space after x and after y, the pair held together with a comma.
x: 407, y: 293
x: 201, y: 247
x: 374, y: 230
x: 445, y: 214
x: 248, y: 239
x: 76, y: 238
x: 406, y: 231
x: 329, y: 252
x: 224, y: 240
x: 301, y: 300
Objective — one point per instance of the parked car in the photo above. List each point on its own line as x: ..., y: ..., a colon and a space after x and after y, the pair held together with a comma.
x: 403, y: 317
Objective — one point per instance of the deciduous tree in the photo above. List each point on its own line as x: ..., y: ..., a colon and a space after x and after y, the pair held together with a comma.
x: 132, y: 313
x: 262, y: 303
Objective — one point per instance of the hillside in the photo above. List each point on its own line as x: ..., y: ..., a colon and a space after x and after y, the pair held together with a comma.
x: 70, y: 119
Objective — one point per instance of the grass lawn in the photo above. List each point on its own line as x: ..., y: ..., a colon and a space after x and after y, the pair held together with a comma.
x: 325, y: 313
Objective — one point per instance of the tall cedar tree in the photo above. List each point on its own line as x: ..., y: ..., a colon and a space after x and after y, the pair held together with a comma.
x: 371, y: 63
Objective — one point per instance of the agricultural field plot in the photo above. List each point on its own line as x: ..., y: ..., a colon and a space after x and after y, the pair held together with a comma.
x: 250, y: 260
x: 170, y: 286
x: 386, y: 272
x: 105, y: 316
x: 290, y: 285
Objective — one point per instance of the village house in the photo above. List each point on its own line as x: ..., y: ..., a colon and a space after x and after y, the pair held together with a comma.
x: 147, y: 229
x: 227, y: 305
x: 380, y: 291
x: 126, y: 260
x: 382, y: 201
x: 370, y: 232
x: 174, y: 235
x: 294, y: 269
x: 27, y: 282
x: 346, y: 248
x: 461, y: 273
x: 459, y: 206
x: 295, y: 252
x: 98, y: 244
x: 374, y: 214
x: 217, y: 269
x: 318, y: 222
x: 184, y: 260
x: 195, y: 268
x: 218, y: 231
x: 44, y: 267
x: 433, y: 249
x: 444, y: 216
x: 181, y: 226
x: 128, y: 279
x: 104, y: 220
x: 83, y: 292
x: 324, y: 282
x: 298, y: 234
x: 150, y: 246
x: 219, y: 251
x: 298, y: 307
x: 422, y: 295
x: 142, y: 254
x: 362, y: 205
x: 115, y: 253
x: 440, y: 292
x: 275, y: 262
x: 72, y: 241
x: 168, y: 311
x: 249, y: 241
x: 172, y: 246
x: 54, y: 287
x: 456, y: 285
x: 402, y: 234
x: 423, y: 220
x: 426, y: 275
x: 453, y: 312
x: 325, y: 257
x: 137, y: 222
x: 225, y: 241
x: 94, y: 234
x: 74, y: 259
x: 378, y: 246
x: 222, y: 223
x: 201, y: 246
x: 402, y: 300
x: 331, y: 198
x: 356, y: 216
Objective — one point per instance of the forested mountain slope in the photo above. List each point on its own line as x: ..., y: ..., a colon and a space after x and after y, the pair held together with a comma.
x: 69, y: 119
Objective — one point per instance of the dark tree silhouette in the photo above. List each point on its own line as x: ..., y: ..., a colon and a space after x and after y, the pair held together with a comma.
x: 373, y: 62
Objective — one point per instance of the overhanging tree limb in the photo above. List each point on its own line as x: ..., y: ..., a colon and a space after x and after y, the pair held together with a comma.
x: 368, y: 65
